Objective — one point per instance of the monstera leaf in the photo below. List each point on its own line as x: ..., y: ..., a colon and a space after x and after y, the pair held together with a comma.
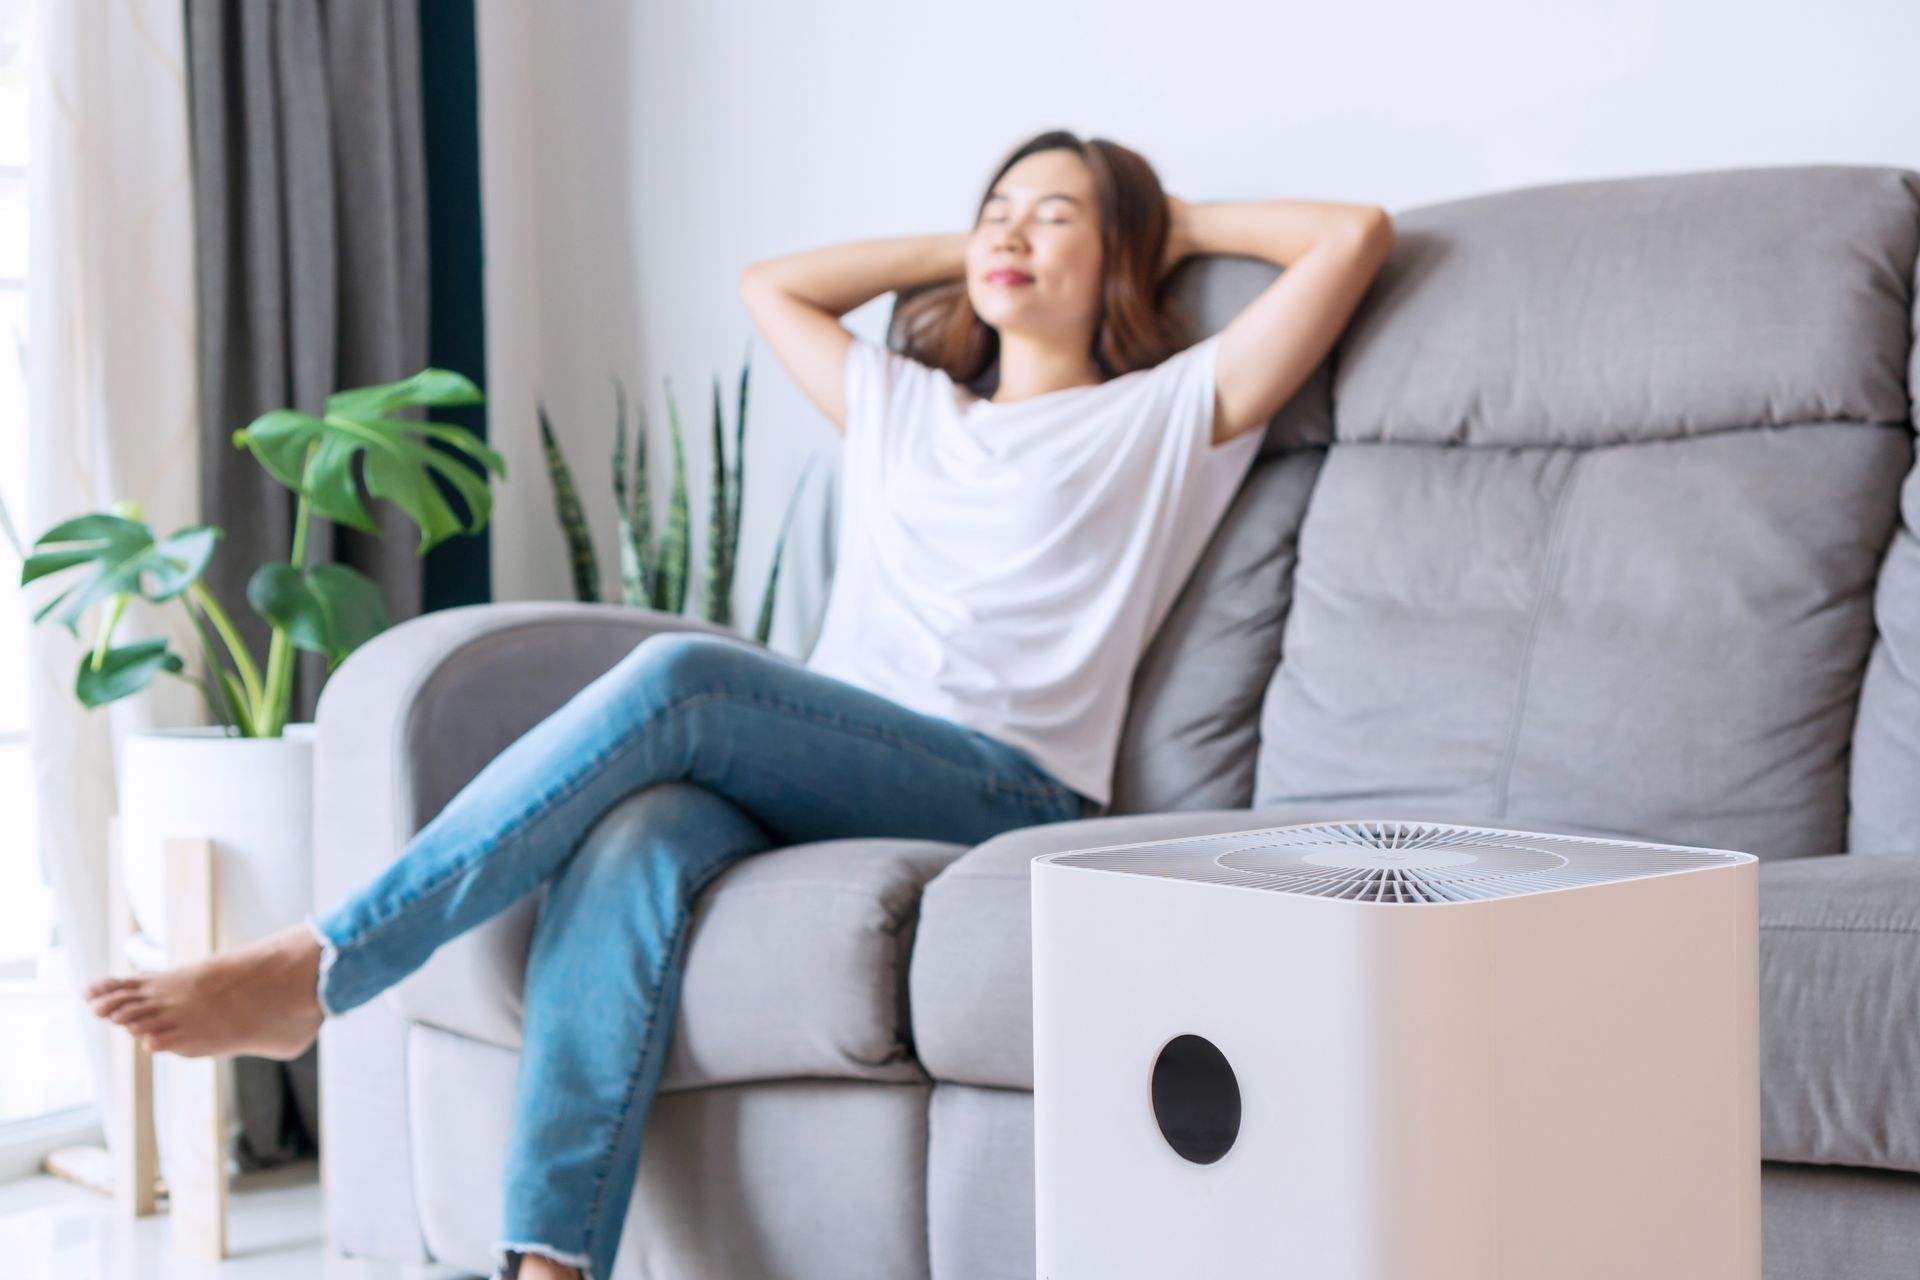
x: 123, y: 554
x: 122, y: 560
x: 330, y: 609
x: 398, y: 459
x: 122, y: 670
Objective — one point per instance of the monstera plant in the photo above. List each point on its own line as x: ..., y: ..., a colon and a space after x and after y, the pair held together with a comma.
x: 322, y: 608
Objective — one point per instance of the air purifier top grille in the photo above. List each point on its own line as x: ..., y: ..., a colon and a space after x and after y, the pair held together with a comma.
x: 1397, y: 862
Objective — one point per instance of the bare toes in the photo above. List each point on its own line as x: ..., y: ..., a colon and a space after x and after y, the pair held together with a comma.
x: 106, y: 986
x: 105, y: 1006
x: 128, y: 1010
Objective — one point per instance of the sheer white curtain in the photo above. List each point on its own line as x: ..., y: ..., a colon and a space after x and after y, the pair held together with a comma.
x: 111, y: 395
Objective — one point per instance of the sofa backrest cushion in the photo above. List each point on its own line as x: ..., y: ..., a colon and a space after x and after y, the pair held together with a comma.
x: 1192, y: 731
x: 1885, y: 817
x: 1647, y: 308
x: 1616, y: 466
x: 1885, y: 814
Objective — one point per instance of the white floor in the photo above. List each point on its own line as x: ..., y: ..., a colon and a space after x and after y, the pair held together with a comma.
x: 51, y: 1229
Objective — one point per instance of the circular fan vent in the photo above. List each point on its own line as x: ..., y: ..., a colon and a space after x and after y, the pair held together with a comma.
x: 1397, y: 862
x: 1390, y: 864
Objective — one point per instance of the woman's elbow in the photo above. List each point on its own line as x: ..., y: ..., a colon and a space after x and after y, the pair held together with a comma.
x: 1378, y: 223
x: 757, y: 279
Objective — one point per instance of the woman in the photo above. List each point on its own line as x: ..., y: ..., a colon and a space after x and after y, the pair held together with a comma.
x: 1004, y: 559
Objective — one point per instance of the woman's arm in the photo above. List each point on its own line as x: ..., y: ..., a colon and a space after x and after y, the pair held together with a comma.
x: 796, y: 302
x: 1331, y: 253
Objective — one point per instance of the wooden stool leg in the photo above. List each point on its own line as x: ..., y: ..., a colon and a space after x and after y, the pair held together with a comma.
x: 196, y: 1087
x: 135, y: 1164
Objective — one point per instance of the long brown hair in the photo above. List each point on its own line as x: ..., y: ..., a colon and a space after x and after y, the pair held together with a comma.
x: 1136, y: 327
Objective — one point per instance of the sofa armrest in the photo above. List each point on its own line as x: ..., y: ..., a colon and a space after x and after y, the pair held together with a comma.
x: 417, y: 711
x: 405, y: 722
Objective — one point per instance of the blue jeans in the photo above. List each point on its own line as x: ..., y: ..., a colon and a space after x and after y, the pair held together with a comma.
x: 777, y: 755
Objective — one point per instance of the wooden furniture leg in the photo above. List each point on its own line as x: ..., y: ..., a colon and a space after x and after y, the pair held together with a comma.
x: 135, y: 1163
x: 196, y: 1087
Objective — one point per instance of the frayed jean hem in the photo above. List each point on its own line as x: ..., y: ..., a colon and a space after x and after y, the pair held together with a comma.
x: 506, y: 1266
x: 328, y: 954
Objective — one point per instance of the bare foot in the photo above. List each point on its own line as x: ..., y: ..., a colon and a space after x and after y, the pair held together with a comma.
x: 534, y: 1266
x: 258, y: 1000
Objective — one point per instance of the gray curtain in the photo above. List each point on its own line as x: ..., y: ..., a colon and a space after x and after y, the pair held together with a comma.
x: 310, y: 213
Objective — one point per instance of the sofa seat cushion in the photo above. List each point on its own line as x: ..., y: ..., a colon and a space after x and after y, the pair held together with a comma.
x: 1840, y: 1010
x: 794, y: 965
x: 1839, y: 978
x: 971, y: 979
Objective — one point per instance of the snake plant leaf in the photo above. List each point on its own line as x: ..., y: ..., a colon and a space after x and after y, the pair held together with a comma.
x: 331, y: 609
x: 640, y: 512
x: 124, y: 554
x: 314, y: 456
x: 573, y: 521
x: 619, y: 443
x: 763, y: 625
x: 716, y: 605
x: 630, y: 507
x: 676, y: 543
x: 739, y: 466
x: 124, y: 669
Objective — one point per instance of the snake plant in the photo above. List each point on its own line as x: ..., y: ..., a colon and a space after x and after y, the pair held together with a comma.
x: 653, y: 571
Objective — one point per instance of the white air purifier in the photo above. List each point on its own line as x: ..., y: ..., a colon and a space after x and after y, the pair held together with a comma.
x: 1389, y: 1050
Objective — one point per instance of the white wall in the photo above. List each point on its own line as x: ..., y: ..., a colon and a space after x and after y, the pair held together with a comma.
x: 637, y: 155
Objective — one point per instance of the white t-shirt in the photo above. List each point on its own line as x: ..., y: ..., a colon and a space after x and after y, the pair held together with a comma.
x: 1005, y: 565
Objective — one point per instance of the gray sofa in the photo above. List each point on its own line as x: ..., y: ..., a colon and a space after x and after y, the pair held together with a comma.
x: 1602, y: 517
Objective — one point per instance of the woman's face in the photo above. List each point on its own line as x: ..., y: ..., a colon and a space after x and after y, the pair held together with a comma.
x: 1034, y: 257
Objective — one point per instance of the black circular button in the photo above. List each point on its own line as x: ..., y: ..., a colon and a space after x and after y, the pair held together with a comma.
x: 1196, y: 1099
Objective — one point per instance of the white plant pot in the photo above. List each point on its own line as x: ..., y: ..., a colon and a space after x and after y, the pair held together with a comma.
x: 252, y: 797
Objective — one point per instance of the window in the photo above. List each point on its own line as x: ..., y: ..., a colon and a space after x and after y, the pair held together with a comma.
x: 44, y: 1070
